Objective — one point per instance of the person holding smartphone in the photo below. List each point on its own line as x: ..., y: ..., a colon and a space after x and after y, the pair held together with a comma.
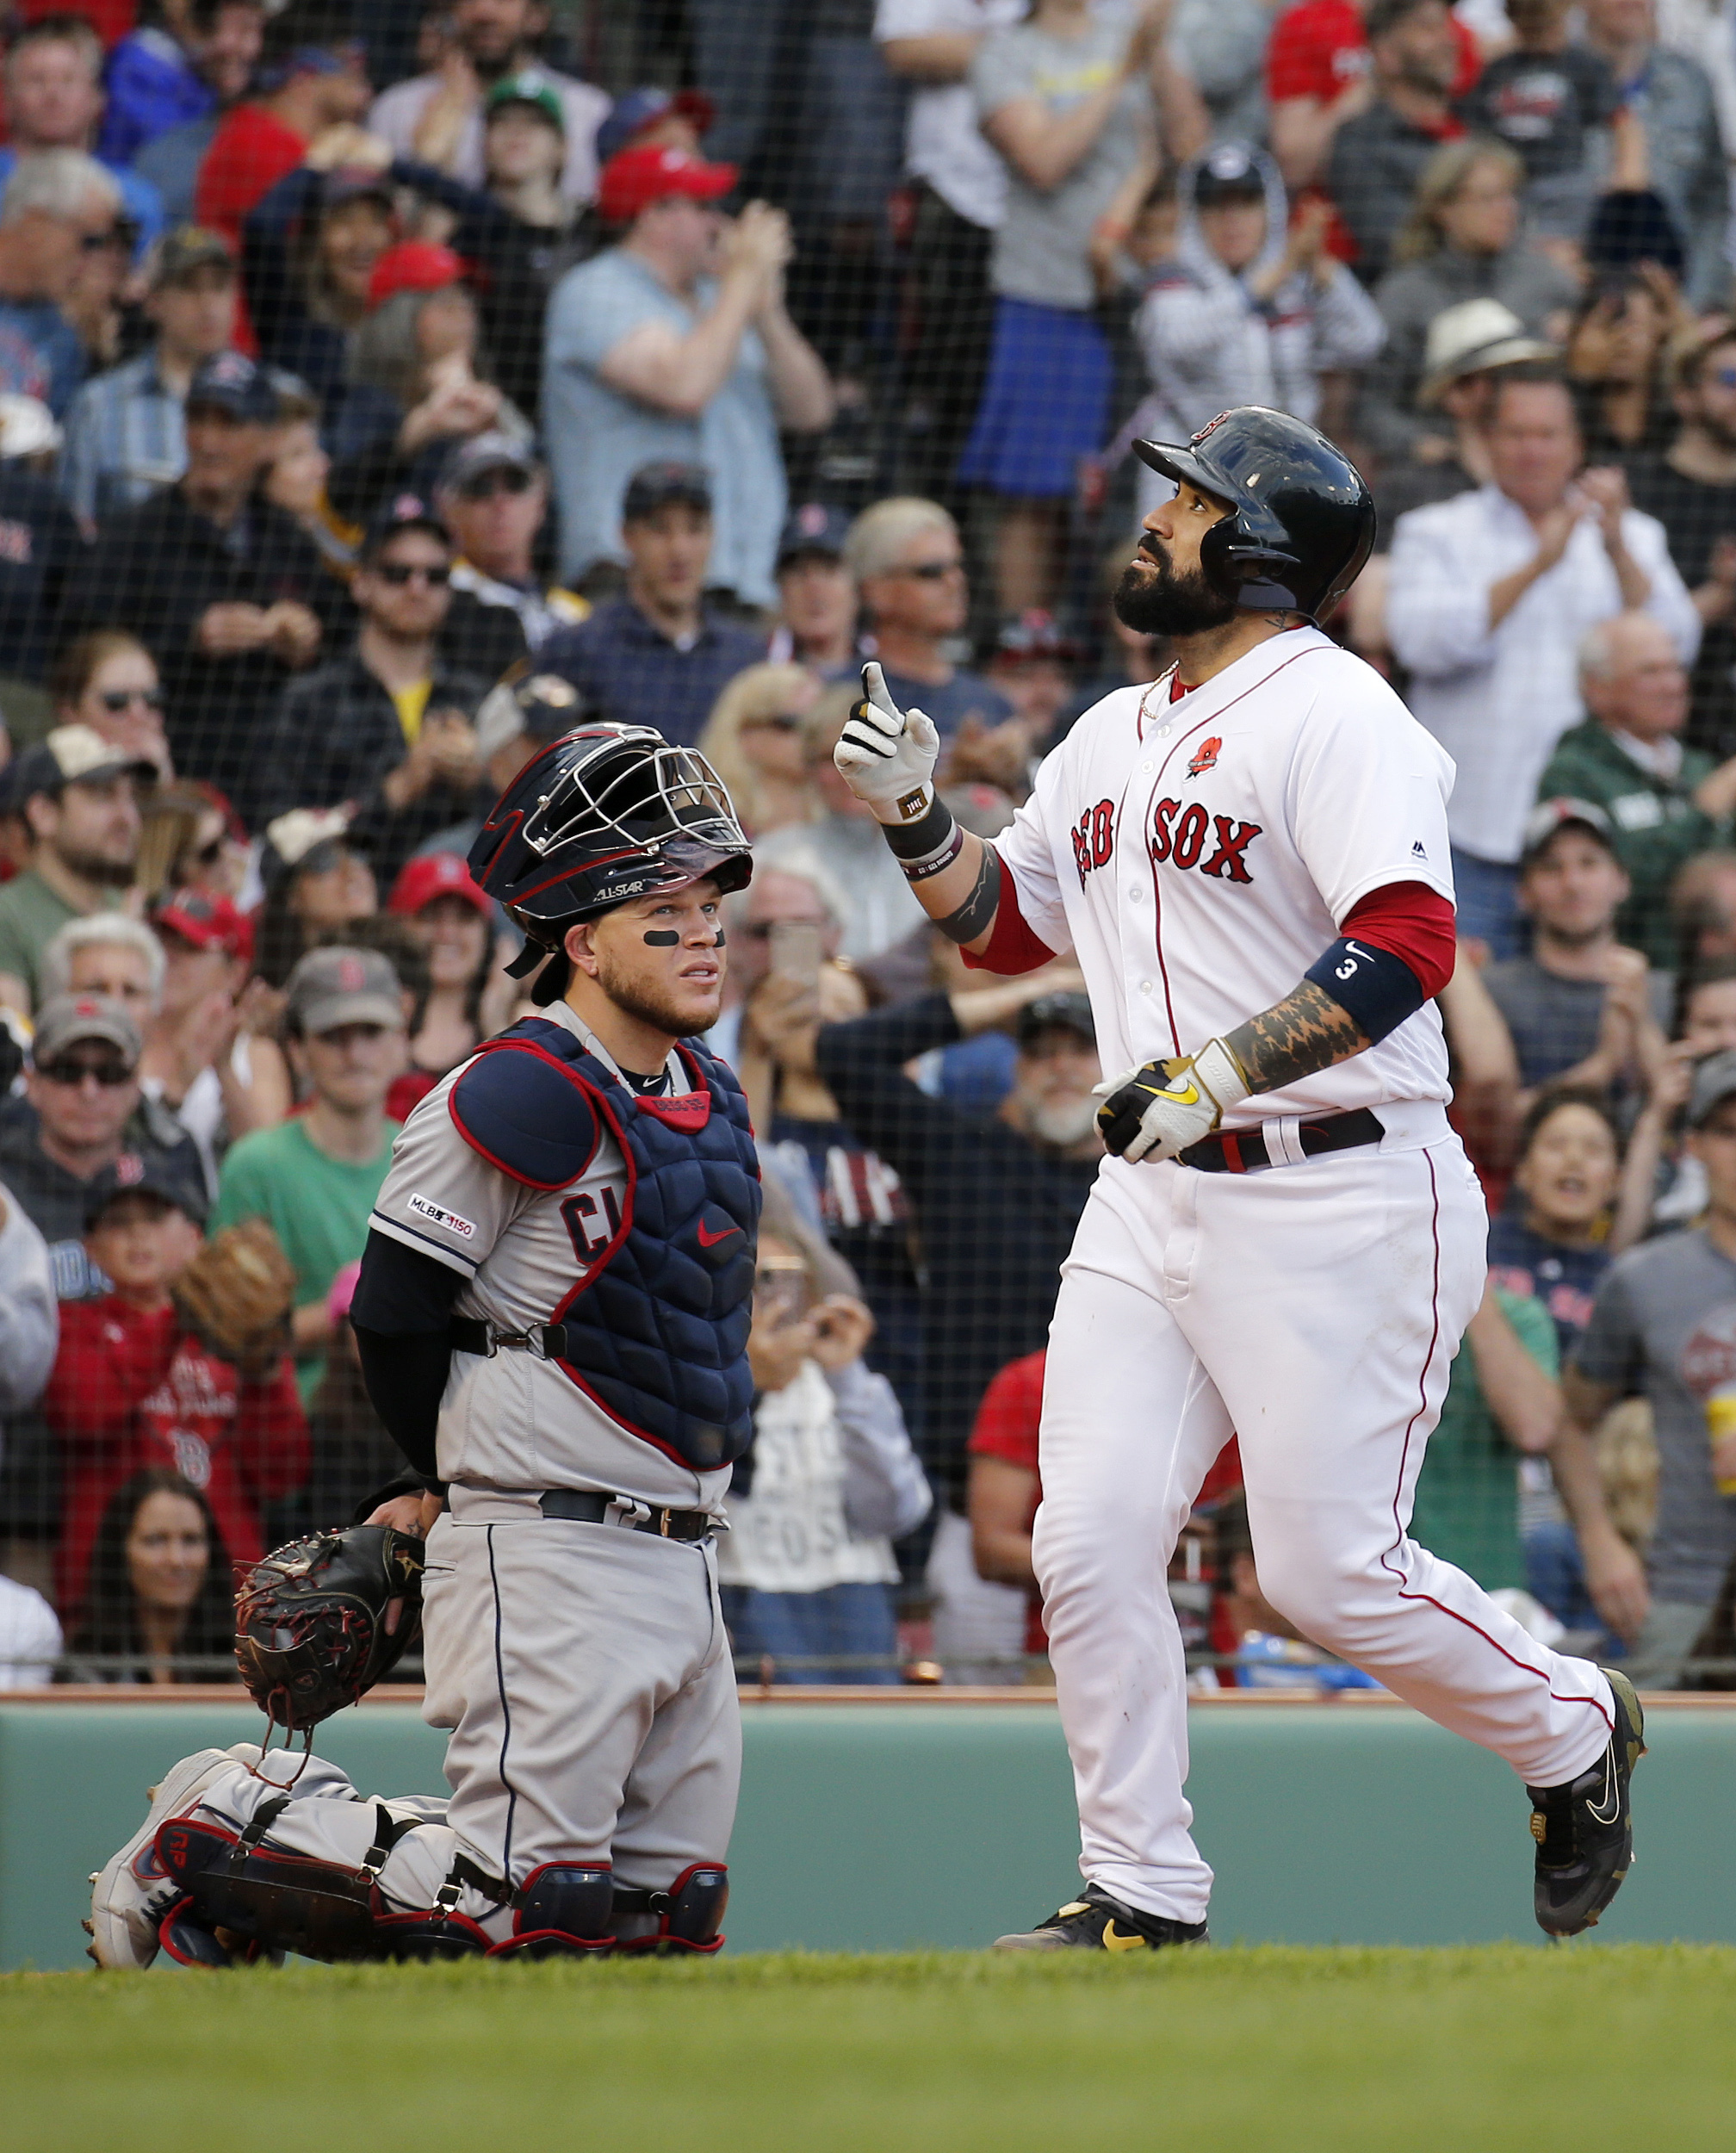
x: 806, y: 1571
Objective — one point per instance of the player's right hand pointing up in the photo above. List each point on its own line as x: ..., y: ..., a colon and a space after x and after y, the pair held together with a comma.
x: 886, y: 755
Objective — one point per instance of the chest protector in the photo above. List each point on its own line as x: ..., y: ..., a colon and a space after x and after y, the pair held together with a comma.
x: 656, y: 1330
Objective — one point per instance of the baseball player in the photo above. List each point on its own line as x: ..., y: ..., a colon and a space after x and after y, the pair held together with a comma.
x: 553, y: 1319
x: 1249, y: 860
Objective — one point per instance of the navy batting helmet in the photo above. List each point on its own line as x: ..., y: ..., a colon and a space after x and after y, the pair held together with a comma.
x: 605, y: 814
x: 1301, y: 521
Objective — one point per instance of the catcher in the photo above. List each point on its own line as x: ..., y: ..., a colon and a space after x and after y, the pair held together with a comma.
x: 553, y: 1321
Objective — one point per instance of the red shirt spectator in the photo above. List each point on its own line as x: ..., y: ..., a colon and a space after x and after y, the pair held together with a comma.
x: 1319, y: 50
x: 250, y: 152
x: 133, y: 1388
x: 1007, y: 1425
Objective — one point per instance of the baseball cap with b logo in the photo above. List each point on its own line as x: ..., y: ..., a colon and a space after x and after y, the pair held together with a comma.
x: 333, y: 987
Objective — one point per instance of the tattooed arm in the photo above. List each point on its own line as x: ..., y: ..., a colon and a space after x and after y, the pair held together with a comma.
x: 1306, y: 1031
x: 964, y: 899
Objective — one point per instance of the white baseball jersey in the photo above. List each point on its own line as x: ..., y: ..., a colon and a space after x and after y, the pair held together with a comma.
x: 517, y: 1421
x: 1198, y: 855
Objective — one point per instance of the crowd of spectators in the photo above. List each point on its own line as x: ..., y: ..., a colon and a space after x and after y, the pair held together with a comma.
x: 379, y: 401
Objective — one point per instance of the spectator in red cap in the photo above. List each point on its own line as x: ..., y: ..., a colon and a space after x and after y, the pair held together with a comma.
x: 218, y: 1082
x: 416, y: 355
x: 675, y: 346
x: 455, y: 923
x: 490, y: 39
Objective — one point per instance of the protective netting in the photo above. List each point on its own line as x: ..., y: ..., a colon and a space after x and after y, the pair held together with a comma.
x: 664, y: 359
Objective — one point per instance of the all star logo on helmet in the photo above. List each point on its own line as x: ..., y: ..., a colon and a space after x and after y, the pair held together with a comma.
x: 1205, y: 757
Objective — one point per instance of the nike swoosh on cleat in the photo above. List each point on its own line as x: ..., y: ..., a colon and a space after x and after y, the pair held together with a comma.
x: 1113, y: 1940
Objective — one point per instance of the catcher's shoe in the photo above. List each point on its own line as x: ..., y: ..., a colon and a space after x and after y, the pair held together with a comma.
x: 1095, y: 1922
x: 1584, y: 1830
x: 131, y: 1893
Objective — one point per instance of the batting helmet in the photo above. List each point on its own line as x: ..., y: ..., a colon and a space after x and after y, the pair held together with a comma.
x: 604, y: 815
x: 1301, y: 521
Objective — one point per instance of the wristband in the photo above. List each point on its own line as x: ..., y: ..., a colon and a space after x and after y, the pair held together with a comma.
x: 938, y: 862
x: 917, y: 841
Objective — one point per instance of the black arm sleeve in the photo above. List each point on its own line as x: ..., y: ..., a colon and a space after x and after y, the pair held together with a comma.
x: 403, y: 1303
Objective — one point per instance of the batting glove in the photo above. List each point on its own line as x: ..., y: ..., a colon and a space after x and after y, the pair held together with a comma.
x: 887, y: 756
x: 1156, y: 1112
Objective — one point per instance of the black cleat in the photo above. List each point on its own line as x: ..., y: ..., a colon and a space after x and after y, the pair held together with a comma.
x: 1095, y: 1922
x: 1584, y: 1830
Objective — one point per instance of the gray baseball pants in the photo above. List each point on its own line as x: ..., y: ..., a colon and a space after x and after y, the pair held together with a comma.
x: 585, y: 1673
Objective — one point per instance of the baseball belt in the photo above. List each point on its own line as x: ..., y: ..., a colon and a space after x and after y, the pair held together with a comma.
x: 1245, y: 1150
x: 580, y: 1506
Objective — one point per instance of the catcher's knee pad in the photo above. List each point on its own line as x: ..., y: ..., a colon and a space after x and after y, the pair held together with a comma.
x: 562, y: 1908
x: 236, y: 1887
x: 687, y: 1917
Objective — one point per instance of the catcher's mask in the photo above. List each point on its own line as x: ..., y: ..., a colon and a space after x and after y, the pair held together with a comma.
x: 1301, y: 521
x: 604, y: 815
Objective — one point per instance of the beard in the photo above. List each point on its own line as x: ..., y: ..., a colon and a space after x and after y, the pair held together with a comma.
x: 97, y: 867
x: 1153, y: 600
x: 649, y: 1001
x: 1063, y: 1122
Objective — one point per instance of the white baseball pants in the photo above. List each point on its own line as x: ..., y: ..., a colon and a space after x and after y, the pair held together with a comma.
x: 1312, y: 1310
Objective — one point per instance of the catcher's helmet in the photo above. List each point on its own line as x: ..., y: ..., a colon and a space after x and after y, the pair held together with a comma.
x: 1301, y: 521
x: 605, y: 814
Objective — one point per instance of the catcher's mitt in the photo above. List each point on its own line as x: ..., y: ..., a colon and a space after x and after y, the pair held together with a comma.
x: 310, y: 1621
x: 237, y: 1295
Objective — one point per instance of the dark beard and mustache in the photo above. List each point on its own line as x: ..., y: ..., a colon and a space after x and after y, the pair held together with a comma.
x: 107, y: 874
x: 1165, y: 604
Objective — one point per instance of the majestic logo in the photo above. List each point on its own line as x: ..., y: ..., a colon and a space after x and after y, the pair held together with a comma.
x: 1205, y: 757
x: 1179, y: 834
x: 1094, y: 839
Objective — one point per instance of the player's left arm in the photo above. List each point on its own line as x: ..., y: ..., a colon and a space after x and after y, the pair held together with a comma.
x: 1395, y: 952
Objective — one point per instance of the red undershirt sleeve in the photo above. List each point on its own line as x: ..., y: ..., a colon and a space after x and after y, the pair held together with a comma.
x: 1012, y: 945
x: 1410, y: 921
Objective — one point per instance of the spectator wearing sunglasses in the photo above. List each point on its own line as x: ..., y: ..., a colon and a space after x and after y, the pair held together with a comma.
x: 77, y: 1120
x: 57, y: 207
x: 108, y: 680
x: 907, y: 562
x: 1691, y: 490
x: 752, y: 740
x: 385, y: 724
x: 494, y: 498
x: 75, y: 795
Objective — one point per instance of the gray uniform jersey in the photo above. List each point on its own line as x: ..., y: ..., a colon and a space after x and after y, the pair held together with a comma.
x: 517, y: 1422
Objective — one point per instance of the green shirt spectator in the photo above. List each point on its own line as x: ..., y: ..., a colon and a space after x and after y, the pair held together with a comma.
x: 1664, y: 801
x: 1467, y: 1497
x: 317, y: 1206
x: 315, y: 1176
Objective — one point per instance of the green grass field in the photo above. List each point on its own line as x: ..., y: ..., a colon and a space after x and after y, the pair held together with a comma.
x: 1264, y: 2050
